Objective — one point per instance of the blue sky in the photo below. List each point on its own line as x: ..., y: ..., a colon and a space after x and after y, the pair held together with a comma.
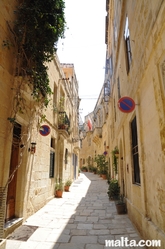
x: 84, y: 46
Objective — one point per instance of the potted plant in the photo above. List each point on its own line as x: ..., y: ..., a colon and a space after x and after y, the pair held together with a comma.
x: 84, y: 169
x: 121, y: 205
x: 67, y: 185
x: 116, y: 151
x: 59, y: 187
x: 61, y: 120
x: 102, y: 165
x: 115, y: 155
x: 94, y: 170
x: 91, y: 168
x: 113, y: 189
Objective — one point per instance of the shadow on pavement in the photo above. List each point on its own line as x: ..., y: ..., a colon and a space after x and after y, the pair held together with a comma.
x: 83, y: 219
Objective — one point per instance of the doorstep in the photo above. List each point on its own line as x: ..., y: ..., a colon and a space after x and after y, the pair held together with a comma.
x: 11, y: 225
x: 2, y: 243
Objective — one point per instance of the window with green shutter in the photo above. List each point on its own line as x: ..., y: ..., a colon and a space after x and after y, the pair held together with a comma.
x: 52, y: 161
x: 52, y: 158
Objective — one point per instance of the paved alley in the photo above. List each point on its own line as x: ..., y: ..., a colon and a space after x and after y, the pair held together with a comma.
x: 83, y: 219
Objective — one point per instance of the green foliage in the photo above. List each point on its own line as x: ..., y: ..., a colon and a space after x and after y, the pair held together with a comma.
x: 95, y: 170
x: 61, y: 104
x: 37, y: 28
x: 114, y: 189
x: 68, y: 182
x: 12, y: 120
x: 120, y: 200
x: 59, y: 185
x: 84, y: 168
x: 102, y: 164
x: 115, y: 152
x: 91, y: 168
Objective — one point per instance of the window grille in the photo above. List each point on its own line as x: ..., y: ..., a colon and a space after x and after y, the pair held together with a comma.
x: 128, y: 46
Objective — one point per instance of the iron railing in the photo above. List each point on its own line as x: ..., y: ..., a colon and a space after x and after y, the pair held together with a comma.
x: 63, y: 121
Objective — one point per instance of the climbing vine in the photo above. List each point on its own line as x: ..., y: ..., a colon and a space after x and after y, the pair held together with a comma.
x: 35, y: 32
x: 32, y: 39
x: 115, y: 153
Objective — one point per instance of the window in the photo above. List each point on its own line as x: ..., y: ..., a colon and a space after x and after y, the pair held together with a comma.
x: 55, y: 108
x: 74, y: 160
x: 106, y: 91
x: 52, y: 158
x: 128, y: 45
x: 135, y: 154
x: 163, y: 73
x: 66, y: 156
x: 107, y: 66
x: 118, y: 88
x: 114, y: 110
x: 111, y: 65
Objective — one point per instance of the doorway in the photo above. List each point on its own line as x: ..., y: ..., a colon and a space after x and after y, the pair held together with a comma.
x: 11, y: 194
x: 121, y: 171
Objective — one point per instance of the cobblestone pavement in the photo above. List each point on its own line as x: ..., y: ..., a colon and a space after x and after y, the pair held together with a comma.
x: 83, y: 219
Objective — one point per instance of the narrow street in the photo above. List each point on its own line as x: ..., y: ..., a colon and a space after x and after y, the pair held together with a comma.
x: 83, y: 219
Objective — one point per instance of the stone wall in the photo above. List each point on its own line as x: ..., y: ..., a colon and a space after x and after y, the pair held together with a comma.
x: 144, y: 84
x: 34, y: 186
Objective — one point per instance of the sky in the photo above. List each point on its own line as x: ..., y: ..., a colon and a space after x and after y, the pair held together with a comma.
x: 84, y: 46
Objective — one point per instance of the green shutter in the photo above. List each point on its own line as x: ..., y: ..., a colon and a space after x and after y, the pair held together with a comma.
x: 52, y: 160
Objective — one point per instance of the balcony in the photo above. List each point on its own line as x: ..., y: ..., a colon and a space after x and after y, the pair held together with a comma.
x: 63, y: 122
x: 97, y: 135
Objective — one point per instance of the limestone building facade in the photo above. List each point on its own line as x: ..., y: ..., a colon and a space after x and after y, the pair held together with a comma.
x: 95, y: 136
x: 135, y: 59
x: 40, y: 146
x: 135, y: 38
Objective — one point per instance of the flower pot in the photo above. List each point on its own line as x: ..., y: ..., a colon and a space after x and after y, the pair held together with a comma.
x: 114, y: 197
x: 59, y: 193
x: 66, y: 188
x: 104, y: 177
x: 121, y: 208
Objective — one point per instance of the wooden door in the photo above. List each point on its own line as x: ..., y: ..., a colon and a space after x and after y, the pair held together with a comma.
x: 11, y: 194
